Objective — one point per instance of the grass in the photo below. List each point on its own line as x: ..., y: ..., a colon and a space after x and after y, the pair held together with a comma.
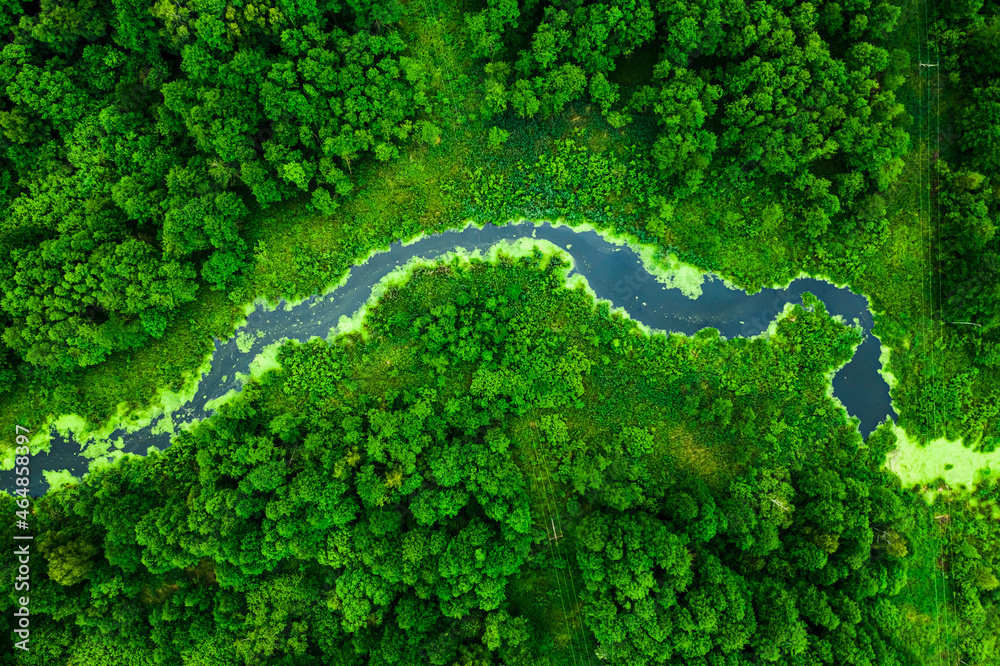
x: 754, y: 261
x: 706, y: 460
x: 536, y: 596
x: 548, y: 592
x: 126, y: 381
x: 929, y: 624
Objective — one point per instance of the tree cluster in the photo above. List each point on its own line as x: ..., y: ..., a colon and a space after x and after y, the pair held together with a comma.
x: 136, y: 137
x: 968, y: 189
x: 797, y: 97
x: 390, y: 496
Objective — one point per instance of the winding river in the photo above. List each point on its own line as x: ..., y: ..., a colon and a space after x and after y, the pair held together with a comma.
x: 614, y: 272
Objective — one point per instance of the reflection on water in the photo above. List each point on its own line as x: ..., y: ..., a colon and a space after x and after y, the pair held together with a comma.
x: 614, y: 273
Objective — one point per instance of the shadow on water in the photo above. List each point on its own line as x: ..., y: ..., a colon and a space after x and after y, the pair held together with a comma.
x: 615, y: 273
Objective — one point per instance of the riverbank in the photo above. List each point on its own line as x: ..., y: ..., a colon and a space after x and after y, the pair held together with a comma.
x: 597, y: 260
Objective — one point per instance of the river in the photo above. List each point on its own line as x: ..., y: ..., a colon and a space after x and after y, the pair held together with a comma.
x: 615, y: 273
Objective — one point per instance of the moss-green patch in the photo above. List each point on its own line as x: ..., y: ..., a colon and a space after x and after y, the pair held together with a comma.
x: 994, y: 507
x: 266, y: 360
x: 106, y: 460
x: 68, y: 424
x: 525, y: 247
x: 883, y: 360
x: 694, y: 453
x: 97, y: 448
x: 59, y: 478
x: 214, y: 404
x: 921, y: 465
x: 245, y: 340
x: 677, y: 275
x: 165, y: 424
x: 666, y: 269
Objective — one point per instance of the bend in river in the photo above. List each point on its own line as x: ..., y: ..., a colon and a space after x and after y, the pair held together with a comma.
x: 614, y: 272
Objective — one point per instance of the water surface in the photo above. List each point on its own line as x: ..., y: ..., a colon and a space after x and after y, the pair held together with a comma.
x: 615, y: 273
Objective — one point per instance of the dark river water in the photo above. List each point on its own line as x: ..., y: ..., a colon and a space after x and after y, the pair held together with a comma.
x: 615, y: 273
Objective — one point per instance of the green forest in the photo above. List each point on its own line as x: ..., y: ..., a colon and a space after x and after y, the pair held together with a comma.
x: 496, y: 468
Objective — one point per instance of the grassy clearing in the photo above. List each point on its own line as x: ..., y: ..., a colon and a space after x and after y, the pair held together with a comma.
x: 704, y: 458
x: 755, y: 255
x: 941, y: 463
x: 538, y: 596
